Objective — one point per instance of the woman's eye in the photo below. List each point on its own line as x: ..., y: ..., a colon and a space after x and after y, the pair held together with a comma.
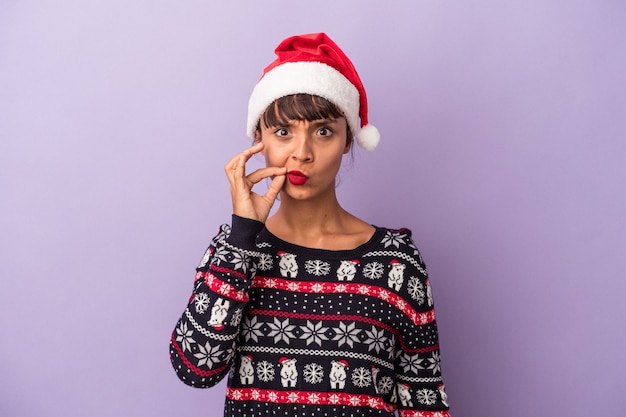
x: 281, y: 132
x: 324, y: 131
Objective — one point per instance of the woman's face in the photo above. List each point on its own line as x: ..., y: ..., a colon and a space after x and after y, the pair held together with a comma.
x: 311, y: 152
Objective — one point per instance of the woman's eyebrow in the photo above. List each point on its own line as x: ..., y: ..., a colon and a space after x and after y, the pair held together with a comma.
x: 323, y: 122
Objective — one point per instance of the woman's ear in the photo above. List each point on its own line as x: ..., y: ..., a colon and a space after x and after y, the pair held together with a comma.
x: 349, y: 141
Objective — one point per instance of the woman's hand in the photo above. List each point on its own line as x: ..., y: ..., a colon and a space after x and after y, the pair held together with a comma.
x: 247, y: 203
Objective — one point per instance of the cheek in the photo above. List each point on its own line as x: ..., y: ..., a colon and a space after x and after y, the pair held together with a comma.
x: 274, y: 156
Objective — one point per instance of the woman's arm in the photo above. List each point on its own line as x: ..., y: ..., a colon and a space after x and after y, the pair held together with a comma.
x: 204, y: 339
x: 419, y: 384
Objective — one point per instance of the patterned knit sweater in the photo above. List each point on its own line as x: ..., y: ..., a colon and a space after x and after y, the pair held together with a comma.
x: 311, y: 332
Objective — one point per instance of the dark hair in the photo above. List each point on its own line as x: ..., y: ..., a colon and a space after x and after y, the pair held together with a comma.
x: 300, y: 107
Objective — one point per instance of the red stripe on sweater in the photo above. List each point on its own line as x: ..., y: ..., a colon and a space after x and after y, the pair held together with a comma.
x: 415, y: 413
x: 347, y: 288
x: 309, y: 397
x: 222, y: 288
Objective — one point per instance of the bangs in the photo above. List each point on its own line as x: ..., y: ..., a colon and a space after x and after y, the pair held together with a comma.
x: 304, y: 107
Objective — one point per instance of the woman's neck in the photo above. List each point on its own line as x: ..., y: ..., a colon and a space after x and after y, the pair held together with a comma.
x: 309, y: 217
x: 322, y: 224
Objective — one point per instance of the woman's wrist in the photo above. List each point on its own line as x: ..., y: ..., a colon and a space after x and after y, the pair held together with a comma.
x: 244, y: 232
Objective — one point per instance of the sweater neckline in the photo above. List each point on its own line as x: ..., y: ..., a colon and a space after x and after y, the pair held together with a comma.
x: 283, y: 245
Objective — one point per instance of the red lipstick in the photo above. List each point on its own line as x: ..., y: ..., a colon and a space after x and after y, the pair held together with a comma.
x: 296, y: 177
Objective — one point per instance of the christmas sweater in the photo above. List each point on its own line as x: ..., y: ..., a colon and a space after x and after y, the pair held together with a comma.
x: 312, y: 332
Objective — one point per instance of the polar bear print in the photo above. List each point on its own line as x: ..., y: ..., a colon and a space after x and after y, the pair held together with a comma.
x: 246, y: 370
x: 396, y: 275
x: 288, y: 372
x: 347, y: 270
x: 444, y: 396
x: 338, y: 374
x: 405, y: 395
x: 219, y: 311
x: 287, y: 265
x: 375, y: 372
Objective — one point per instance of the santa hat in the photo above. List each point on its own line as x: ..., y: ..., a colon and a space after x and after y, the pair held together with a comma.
x: 314, y: 64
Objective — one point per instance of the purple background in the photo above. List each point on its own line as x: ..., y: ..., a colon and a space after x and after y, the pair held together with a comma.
x: 504, y: 149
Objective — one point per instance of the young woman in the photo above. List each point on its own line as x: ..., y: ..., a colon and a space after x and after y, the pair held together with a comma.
x: 312, y: 311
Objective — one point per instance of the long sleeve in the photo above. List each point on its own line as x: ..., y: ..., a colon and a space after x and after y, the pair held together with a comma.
x: 420, y: 389
x: 204, y: 340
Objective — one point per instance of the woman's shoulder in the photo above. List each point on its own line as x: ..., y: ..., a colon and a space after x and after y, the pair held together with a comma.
x: 396, y: 236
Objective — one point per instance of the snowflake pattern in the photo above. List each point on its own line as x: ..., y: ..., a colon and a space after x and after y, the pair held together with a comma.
x: 251, y: 329
x: 394, y: 239
x: 416, y: 290
x: 240, y: 261
x: 207, y: 355
x: 373, y: 270
x: 410, y: 363
x: 416, y: 252
x: 361, y: 377
x: 385, y: 384
x: 313, y: 373
x: 314, y: 333
x: 317, y: 267
x: 281, y: 330
x: 426, y: 396
x: 220, y: 255
x: 313, y: 398
x: 347, y: 334
x: 265, y: 262
x: 265, y: 371
x: 202, y: 302
x: 376, y: 339
x: 433, y: 363
x: 183, y: 336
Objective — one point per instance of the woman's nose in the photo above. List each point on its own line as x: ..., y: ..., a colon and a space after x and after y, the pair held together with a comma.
x: 302, y: 150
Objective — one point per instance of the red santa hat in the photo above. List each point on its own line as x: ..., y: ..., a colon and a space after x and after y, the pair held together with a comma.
x: 314, y: 64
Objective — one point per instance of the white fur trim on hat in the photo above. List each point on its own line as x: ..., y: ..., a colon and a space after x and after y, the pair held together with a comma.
x: 304, y: 77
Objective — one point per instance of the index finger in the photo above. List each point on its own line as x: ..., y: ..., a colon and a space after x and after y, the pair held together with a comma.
x: 256, y: 148
x: 247, y: 154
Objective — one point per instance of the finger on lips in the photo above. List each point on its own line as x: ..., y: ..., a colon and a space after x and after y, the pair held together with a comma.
x: 268, y: 172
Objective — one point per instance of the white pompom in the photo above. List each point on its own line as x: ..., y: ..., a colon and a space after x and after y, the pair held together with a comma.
x: 368, y: 137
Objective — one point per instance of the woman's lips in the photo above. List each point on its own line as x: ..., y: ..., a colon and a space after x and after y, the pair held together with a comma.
x: 296, y: 177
